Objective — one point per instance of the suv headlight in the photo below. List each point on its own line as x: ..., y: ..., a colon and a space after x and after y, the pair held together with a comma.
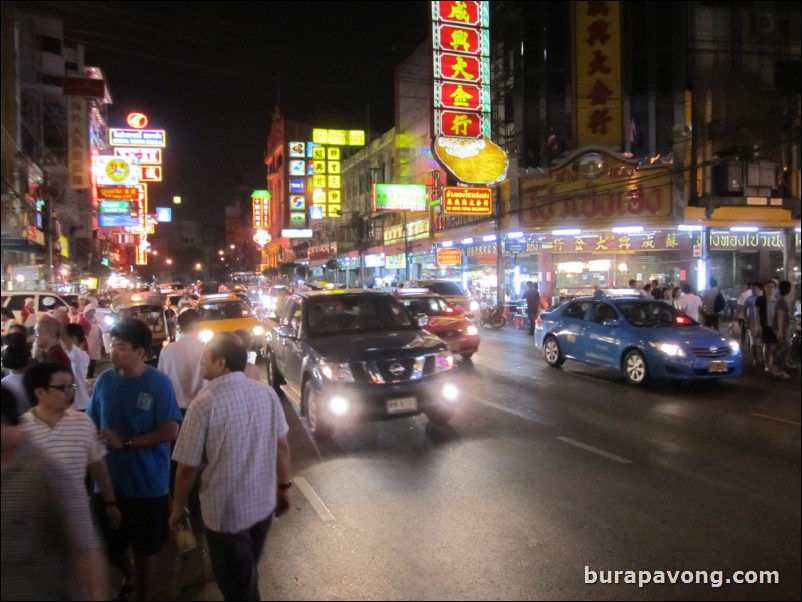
x: 735, y: 347
x: 443, y: 361
x: 337, y: 372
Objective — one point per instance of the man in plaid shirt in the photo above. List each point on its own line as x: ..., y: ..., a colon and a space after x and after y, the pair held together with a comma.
x: 235, y: 438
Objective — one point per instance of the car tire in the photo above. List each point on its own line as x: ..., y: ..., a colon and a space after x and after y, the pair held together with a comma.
x: 274, y: 378
x: 318, y: 425
x: 439, y: 415
x: 467, y: 356
x: 552, y: 353
x: 635, y: 369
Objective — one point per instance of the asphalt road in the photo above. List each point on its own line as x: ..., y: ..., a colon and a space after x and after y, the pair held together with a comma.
x: 545, y: 480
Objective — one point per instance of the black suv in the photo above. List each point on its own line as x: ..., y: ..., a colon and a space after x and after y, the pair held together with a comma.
x: 356, y: 354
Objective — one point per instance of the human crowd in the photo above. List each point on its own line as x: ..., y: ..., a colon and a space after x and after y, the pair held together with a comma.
x: 94, y: 483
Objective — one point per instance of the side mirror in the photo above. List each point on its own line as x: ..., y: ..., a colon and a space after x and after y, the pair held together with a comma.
x: 287, y: 332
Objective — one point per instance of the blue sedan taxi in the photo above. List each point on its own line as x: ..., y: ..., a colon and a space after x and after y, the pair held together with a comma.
x: 641, y: 337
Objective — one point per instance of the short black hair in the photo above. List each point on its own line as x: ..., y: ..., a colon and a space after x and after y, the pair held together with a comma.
x: 188, y: 318
x: 38, y: 376
x: 76, y: 331
x: 9, y: 406
x: 16, y: 357
x: 245, y: 336
x: 133, y: 331
x: 229, y: 346
x: 784, y: 287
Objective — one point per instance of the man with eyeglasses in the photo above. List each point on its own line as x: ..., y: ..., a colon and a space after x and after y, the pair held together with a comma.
x: 69, y: 435
x: 134, y: 406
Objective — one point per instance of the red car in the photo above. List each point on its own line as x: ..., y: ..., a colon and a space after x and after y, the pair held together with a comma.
x: 443, y: 320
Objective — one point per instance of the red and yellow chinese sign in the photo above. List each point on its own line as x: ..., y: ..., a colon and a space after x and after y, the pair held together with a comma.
x: 461, y: 45
x: 467, y: 201
x: 598, y: 73
x: 261, y: 209
x: 449, y: 257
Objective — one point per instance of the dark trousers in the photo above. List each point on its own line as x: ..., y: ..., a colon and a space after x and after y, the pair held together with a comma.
x: 532, y: 318
x: 235, y: 560
x: 712, y: 320
x: 90, y: 370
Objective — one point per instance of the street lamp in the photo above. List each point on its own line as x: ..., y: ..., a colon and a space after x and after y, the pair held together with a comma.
x: 168, y: 261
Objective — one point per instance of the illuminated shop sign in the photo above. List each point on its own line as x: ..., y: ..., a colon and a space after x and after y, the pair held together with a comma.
x: 449, y: 257
x: 117, y: 193
x: 146, y: 156
x: 461, y: 51
x: 467, y: 201
x: 115, y: 206
x: 150, y: 173
x: 116, y: 171
x: 260, y: 200
x: 399, y: 197
x: 119, y: 137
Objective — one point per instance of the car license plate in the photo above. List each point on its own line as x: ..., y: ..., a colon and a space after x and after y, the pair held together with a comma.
x: 403, y: 404
x: 454, y: 348
x: 717, y: 366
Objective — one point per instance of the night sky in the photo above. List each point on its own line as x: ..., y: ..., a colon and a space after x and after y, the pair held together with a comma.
x: 210, y: 73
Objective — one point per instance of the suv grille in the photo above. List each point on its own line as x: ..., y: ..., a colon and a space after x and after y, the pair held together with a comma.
x: 394, y: 370
x: 715, y: 352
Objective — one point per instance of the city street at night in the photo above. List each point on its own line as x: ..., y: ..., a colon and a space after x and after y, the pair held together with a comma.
x: 543, y: 475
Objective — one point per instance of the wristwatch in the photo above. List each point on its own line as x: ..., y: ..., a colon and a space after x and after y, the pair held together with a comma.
x: 128, y: 445
x: 286, y: 485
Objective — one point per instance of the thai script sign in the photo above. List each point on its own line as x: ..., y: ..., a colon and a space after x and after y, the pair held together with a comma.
x: 119, y: 137
x: 467, y: 201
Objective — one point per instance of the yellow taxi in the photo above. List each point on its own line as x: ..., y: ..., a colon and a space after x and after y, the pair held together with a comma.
x: 225, y: 312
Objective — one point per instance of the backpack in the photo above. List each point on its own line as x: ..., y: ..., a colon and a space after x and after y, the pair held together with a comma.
x: 719, y: 303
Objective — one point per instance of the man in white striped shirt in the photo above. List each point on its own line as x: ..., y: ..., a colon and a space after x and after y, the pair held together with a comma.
x: 235, y: 437
x: 70, y: 436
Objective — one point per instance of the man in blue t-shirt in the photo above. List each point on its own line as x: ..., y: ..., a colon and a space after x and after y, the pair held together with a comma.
x: 135, y: 408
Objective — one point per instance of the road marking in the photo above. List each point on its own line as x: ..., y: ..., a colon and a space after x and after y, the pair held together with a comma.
x: 777, y: 419
x: 314, y: 499
x: 595, y: 450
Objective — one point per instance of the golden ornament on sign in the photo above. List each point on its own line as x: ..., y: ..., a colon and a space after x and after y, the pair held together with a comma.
x: 474, y: 161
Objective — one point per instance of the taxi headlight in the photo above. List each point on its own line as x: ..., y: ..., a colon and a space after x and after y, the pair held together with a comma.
x: 670, y: 349
x: 258, y: 331
x: 735, y: 347
x: 471, y: 330
x: 337, y: 372
x: 443, y: 361
x: 205, y: 335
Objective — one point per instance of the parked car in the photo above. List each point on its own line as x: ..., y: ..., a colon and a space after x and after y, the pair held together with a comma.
x: 641, y: 337
x: 443, y: 320
x: 451, y: 291
x: 356, y: 354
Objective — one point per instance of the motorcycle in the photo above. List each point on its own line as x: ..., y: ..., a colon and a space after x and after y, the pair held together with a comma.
x: 493, y: 316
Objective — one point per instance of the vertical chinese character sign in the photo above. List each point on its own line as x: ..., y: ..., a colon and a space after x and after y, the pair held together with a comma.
x: 598, y: 74
x: 78, y: 167
x: 461, y: 46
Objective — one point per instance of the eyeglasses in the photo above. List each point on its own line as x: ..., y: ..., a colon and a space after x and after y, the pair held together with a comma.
x: 63, y: 388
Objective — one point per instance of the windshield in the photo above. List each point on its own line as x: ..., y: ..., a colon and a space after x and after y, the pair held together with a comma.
x: 431, y: 306
x: 653, y: 313
x: 346, y: 315
x: 444, y: 288
x: 224, y: 310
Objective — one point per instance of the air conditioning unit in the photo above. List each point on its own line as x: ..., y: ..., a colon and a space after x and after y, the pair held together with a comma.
x: 766, y: 24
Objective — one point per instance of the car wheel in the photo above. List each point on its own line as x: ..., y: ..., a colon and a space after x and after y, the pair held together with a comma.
x: 318, y: 425
x: 467, y: 356
x: 274, y: 378
x: 439, y: 415
x: 551, y: 351
x: 635, y: 370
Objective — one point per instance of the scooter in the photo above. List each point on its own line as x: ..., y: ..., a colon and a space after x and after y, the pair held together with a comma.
x: 493, y: 316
